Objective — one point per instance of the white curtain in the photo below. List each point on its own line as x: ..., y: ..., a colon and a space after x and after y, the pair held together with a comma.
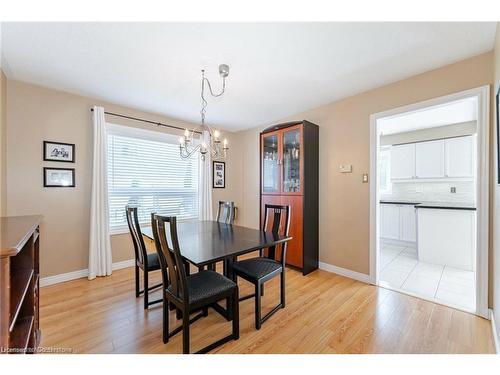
x: 99, y: 244
x: 205, y: 181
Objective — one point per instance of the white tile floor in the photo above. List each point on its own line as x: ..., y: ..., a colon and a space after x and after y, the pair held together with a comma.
x: 400, y: 269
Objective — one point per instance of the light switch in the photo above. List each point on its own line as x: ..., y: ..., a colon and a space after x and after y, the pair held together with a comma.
x: 346, y: 168
x: 365, y: 177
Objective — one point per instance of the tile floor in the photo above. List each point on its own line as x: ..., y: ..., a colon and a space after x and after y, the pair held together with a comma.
x: 400, y: 268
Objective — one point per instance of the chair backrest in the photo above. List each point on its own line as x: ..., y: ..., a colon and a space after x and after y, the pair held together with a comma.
x: 226, y: 212
x: 280, y: 225
x: 172, y: 266
x: 135, y: 232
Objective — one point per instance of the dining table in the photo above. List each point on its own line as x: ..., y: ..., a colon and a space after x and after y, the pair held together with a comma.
x: 204, y: 242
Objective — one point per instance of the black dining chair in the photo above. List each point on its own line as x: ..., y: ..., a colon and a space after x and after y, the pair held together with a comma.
x: 226, y: 212
x: 266, y: 266
x: 145, y: 261
x: 191, y: 293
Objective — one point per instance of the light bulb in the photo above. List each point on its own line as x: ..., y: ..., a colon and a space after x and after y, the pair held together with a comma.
x: 181, y: 141
x: 186, y: 133
x: 225, y: 142
x: 216, y: 135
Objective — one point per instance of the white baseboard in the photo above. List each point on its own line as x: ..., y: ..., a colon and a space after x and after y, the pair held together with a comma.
x: 345, y: 272
x: 390, y: 241
x: 494, y: 332
x: 61, y: 278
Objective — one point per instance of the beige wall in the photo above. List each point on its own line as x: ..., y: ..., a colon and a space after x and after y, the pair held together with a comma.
x: 345, y: 138
x: 494, y: 227
x: 3, y: 138
x: 36, y: 114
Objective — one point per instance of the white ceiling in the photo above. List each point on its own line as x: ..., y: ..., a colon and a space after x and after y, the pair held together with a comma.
x: 277, y: 69
x: 463, y: 110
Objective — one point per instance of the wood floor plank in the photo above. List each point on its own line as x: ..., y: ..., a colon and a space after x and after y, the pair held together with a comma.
x: 325, y: 313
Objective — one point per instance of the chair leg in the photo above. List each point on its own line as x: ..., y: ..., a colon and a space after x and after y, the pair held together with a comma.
x: 165, y: 320
x: 257, y: 305
x: 282, y: 291
x: 185, y: 332
x: 236, y: 314
x: 146, y: 286
x: 178, y: 313
x: 137, y: 287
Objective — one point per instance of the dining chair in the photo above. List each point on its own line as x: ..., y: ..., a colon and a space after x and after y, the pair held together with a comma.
x: 145, y: 261
x: 265, y: 267
x: 192, y: 293
x: 226, y: 212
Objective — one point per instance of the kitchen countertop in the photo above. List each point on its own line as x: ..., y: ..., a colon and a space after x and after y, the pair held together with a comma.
x: 435, y: 205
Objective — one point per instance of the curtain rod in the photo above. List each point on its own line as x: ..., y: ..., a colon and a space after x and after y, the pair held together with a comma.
x: 147, y: 121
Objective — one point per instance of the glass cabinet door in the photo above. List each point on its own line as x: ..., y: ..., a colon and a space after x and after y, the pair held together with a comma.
x: 291, y: 161
x: 270, y: 164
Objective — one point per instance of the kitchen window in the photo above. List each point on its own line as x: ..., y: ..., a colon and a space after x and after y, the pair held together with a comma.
x: 385, y: 170
x: 145, y: 170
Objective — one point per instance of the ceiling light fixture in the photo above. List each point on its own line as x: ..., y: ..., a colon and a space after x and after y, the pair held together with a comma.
x: 186, y: 143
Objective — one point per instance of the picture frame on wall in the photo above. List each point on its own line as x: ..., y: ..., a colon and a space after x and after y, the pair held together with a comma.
x: 219, y: 175
x: 57, y: 151
x: 58, y: 177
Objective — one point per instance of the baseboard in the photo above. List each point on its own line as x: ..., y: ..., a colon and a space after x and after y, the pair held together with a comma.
x: 345, y: 272
x: 389, y: 241
x: 494, y: 332
x: 61, y: 278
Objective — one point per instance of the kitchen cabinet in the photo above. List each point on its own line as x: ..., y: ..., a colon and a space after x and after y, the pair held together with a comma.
x: 290, y: 176
x: 450, y: 158
x: 403, y: 161
x: 447, y: 237
x: 407, y: 223
x: 398, y: 222
x: 429, y: 159
x: 460, y: 156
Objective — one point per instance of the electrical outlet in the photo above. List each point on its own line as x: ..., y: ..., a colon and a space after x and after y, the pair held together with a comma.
x: 453, y: 189
x: 419, y: 189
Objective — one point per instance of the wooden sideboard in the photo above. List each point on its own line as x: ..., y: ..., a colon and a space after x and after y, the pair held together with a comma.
x: 19, y: 284
x: 289, y: 155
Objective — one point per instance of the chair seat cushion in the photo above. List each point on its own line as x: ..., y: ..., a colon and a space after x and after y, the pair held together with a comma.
x: 153, y: 262
x: 256, y: 268
x: 206, y: 286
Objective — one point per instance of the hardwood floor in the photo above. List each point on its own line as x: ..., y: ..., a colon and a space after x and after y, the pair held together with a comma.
x: 325, y: 313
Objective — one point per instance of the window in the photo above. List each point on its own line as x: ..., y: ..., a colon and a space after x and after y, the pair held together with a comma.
x: 145, y: 170
x: 385, y: 170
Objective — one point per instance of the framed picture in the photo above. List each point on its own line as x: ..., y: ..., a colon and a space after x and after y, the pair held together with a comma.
x: 497, y: 101
x: 219, y: 175
x: 58, y: 177
x: 57, y: 151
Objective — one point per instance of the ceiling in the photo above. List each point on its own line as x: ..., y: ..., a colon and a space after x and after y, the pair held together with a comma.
x: 276, y: 69
x: 459, y: 111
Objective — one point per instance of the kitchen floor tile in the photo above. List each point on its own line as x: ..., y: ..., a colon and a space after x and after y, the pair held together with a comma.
x: 421, y: 285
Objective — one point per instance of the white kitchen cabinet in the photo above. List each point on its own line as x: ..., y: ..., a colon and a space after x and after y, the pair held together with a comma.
x: 429, y: 159
x: 460, y: 157
x: 398, y: 222
x: 389, y: 219
x: 447, y: 237
x: 407, y: 223
x: 403, y: 161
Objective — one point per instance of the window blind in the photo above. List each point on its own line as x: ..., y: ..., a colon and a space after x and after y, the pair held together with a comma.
x: 145, y: 170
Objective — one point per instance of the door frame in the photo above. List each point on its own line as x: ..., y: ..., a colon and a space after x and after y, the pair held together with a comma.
x: 482, y: 185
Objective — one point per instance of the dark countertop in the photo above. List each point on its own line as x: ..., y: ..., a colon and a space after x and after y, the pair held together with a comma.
x: 436, y: 205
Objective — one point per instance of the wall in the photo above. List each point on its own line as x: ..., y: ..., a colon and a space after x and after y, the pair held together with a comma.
x: 345, y: 138
x: 35, y: 114
x: 433, y: 192
x: 495, y: 222
x: 3, y: 139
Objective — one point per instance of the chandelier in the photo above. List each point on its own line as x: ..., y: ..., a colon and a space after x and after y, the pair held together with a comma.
x: 212, y: 142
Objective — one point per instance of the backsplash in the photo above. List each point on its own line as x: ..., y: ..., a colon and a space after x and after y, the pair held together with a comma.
x: 432, y: 192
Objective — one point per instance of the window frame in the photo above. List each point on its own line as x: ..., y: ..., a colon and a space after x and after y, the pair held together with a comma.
x: 113, y: 129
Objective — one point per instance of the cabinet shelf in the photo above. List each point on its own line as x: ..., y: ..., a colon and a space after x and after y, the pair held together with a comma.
x: 21, y: 334
x: 21, y: 282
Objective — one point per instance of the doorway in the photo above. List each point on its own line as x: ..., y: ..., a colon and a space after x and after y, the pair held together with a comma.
x: 429, y: 200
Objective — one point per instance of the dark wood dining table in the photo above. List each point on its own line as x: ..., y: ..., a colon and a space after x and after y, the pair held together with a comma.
x: 205, y: 242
